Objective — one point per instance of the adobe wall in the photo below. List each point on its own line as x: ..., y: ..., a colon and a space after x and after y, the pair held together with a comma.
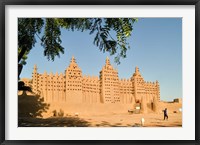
x: 87, y: 109
x: 72, y: 92
x: 171, y: 106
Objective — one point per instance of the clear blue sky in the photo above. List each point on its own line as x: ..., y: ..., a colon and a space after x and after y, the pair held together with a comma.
x: 156, y: 48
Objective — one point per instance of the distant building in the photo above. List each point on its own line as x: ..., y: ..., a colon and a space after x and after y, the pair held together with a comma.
x: 73, y: 87
x: 178, y: 100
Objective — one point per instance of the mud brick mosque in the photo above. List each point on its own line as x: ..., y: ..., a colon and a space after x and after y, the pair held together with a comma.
x: 74, y: 88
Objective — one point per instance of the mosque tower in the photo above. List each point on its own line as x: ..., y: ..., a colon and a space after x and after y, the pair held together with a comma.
x: 35, y: 79
x: 109, y: 84
x: 73, y: 82
x: 138, y: 85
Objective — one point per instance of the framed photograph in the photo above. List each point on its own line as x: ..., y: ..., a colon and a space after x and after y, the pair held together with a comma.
x: 106, y: 72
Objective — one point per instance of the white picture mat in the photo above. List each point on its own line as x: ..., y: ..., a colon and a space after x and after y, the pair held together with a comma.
x: 187, y: 132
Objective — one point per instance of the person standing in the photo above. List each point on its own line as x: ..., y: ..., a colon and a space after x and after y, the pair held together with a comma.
x: 165, y: 114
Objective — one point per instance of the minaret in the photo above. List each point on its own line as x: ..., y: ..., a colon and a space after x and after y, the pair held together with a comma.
x: 56, y: 92
x: 137, y: 72
x: 73, y: 82
x: 138, y: 81
x: 35, y: 68
x: 63, y: 83
x: 158, y: 90
x: 135, y: 82
x: 107, y: 61
x: 45, y: 86
x: 109, y: 89
x: 73, y: 60
x: 51, y: 96
x: 35, y: 80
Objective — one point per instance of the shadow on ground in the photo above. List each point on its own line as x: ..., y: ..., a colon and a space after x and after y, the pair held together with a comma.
x: 53, y: 122
x: 31, y: 105
x: 107, y: 124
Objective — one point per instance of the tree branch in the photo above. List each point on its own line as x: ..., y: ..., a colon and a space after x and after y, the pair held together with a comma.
x: 21, y: 54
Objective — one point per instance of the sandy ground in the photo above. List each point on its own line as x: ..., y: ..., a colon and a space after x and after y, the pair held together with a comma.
x: 112, y: 120
x: 134, y: 120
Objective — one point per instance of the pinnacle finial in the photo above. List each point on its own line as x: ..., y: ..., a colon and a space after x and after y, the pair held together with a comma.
x: 136, y: 70
x: 56, y: 73
x: 73, y: 59
x: 35, y: 66
x: 107, y: 60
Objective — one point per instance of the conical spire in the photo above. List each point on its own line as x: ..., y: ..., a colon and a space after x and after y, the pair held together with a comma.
x: 56, y: 73
x: 73, y: 65
x: 107, y: 61
x: 137, y: 70
x: 73, y: 60
x: 35, y: 67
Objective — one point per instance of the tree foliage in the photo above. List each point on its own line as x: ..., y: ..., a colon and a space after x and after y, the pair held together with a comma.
x: 102, y: 28
x: 28, y: 28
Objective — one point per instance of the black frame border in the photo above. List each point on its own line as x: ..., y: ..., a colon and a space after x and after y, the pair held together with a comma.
x: 4, y: 3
